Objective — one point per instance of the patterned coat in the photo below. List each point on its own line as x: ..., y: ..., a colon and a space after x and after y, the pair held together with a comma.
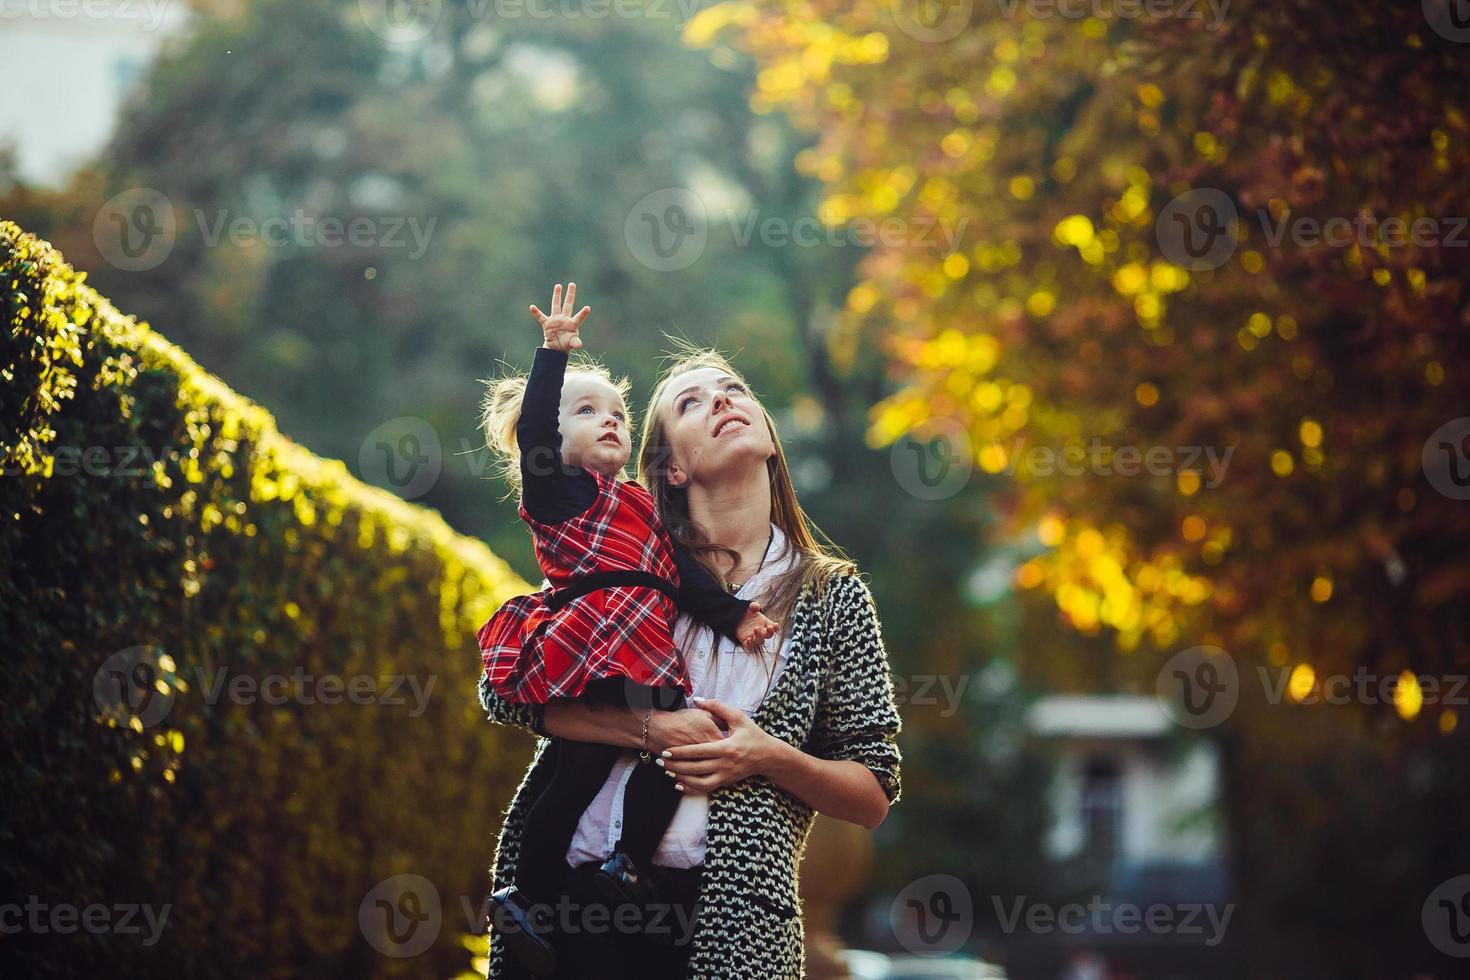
x: 834, y: 699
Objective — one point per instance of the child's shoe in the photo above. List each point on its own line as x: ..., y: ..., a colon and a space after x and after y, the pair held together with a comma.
x: 512, y: 916
x: 620, y: 883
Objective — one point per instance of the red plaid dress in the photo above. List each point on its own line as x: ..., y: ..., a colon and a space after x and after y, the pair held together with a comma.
x: 534, y: 651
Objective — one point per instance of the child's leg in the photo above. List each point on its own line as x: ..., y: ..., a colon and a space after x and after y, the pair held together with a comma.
x: 650, y: 799
x: 580, y: 769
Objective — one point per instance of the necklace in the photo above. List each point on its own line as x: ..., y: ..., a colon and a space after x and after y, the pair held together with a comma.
x: 736, y: 588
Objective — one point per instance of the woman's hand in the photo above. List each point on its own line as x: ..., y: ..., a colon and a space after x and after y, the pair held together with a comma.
x: 708, y: 765
x: 560, y: 327
x: 688, y: 726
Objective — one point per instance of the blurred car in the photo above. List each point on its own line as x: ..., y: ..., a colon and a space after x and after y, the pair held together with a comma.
x: 866, y: 964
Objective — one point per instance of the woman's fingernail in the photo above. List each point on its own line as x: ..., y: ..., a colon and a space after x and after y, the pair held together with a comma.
x: 659, y: 761
x: 667, y: 754
x: 679, y: 787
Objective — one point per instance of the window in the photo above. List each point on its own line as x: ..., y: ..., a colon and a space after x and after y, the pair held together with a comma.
x: 1102, y: 811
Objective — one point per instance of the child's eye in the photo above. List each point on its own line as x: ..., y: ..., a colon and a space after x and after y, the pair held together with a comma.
x: 620, y: 416
x: 584, y: 409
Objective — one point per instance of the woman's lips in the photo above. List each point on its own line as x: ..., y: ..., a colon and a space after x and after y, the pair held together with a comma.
x: 730, y: 422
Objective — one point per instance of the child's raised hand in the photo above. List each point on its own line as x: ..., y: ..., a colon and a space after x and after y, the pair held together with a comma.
x: 560, y: 327
x: 755, y: 628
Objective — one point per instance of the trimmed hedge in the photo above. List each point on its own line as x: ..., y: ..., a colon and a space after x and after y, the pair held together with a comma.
x: 151, y: 513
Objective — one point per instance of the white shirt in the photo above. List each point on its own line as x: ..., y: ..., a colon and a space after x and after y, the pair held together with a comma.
x: 732, y: 676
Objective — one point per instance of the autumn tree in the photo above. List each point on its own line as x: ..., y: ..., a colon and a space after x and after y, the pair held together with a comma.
x: 1299, y: 504
x: 1207, y: 315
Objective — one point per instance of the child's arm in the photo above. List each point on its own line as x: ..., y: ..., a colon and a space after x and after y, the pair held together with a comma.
x: 703, y: 598
x: 551, y: 490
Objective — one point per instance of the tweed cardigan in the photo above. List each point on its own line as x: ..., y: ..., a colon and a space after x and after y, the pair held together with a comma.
x: 835, y: 700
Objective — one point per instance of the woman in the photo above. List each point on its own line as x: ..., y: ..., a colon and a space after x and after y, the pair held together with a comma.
x: 821, y: 735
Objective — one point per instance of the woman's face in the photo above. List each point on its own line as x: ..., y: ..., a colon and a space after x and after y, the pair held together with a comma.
x: 713, y: 426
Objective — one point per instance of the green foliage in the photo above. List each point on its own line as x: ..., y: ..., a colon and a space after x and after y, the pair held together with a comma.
x: 148, y: 506
x: 1071, y: 313
x: 517, y: 147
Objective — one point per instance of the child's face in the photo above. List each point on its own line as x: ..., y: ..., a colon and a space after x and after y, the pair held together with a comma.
x: 594, y: 425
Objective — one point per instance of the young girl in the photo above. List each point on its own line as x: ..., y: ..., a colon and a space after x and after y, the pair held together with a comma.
x: 603, y: 630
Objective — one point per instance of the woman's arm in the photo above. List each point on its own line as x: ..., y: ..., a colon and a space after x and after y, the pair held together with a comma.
x: 623, y: 727
x: 604, y: 724
x: 839, y: 788
x: 526, y: 717
x: 857, y: 714
x: 855, y: 729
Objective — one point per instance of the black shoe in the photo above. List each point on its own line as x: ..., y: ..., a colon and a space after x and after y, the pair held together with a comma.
x: 620, y: 883
x: 512, y: 918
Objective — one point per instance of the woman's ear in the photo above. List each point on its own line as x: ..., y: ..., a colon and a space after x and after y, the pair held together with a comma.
x: 675, y: 476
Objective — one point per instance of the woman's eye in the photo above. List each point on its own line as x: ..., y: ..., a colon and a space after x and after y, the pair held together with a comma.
x: 685, y: 402
x: 734, y: 386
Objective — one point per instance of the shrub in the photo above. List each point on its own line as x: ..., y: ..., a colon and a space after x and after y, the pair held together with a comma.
x: 166, y: 551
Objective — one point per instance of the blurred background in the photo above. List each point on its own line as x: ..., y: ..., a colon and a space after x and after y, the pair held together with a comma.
x: 1123, y: 344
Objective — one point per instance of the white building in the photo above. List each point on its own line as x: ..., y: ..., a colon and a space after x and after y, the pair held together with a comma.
x: 1126, y: 796
x: 85, y: 57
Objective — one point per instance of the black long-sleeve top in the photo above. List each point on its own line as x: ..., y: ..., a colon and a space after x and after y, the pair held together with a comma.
x: 554, y: 491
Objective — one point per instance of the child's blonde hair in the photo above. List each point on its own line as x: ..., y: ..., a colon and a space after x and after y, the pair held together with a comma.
x: 500, y: 410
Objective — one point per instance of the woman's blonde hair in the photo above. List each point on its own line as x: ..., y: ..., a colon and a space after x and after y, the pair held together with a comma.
x: 500, y: 410
x: 817, y: 559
